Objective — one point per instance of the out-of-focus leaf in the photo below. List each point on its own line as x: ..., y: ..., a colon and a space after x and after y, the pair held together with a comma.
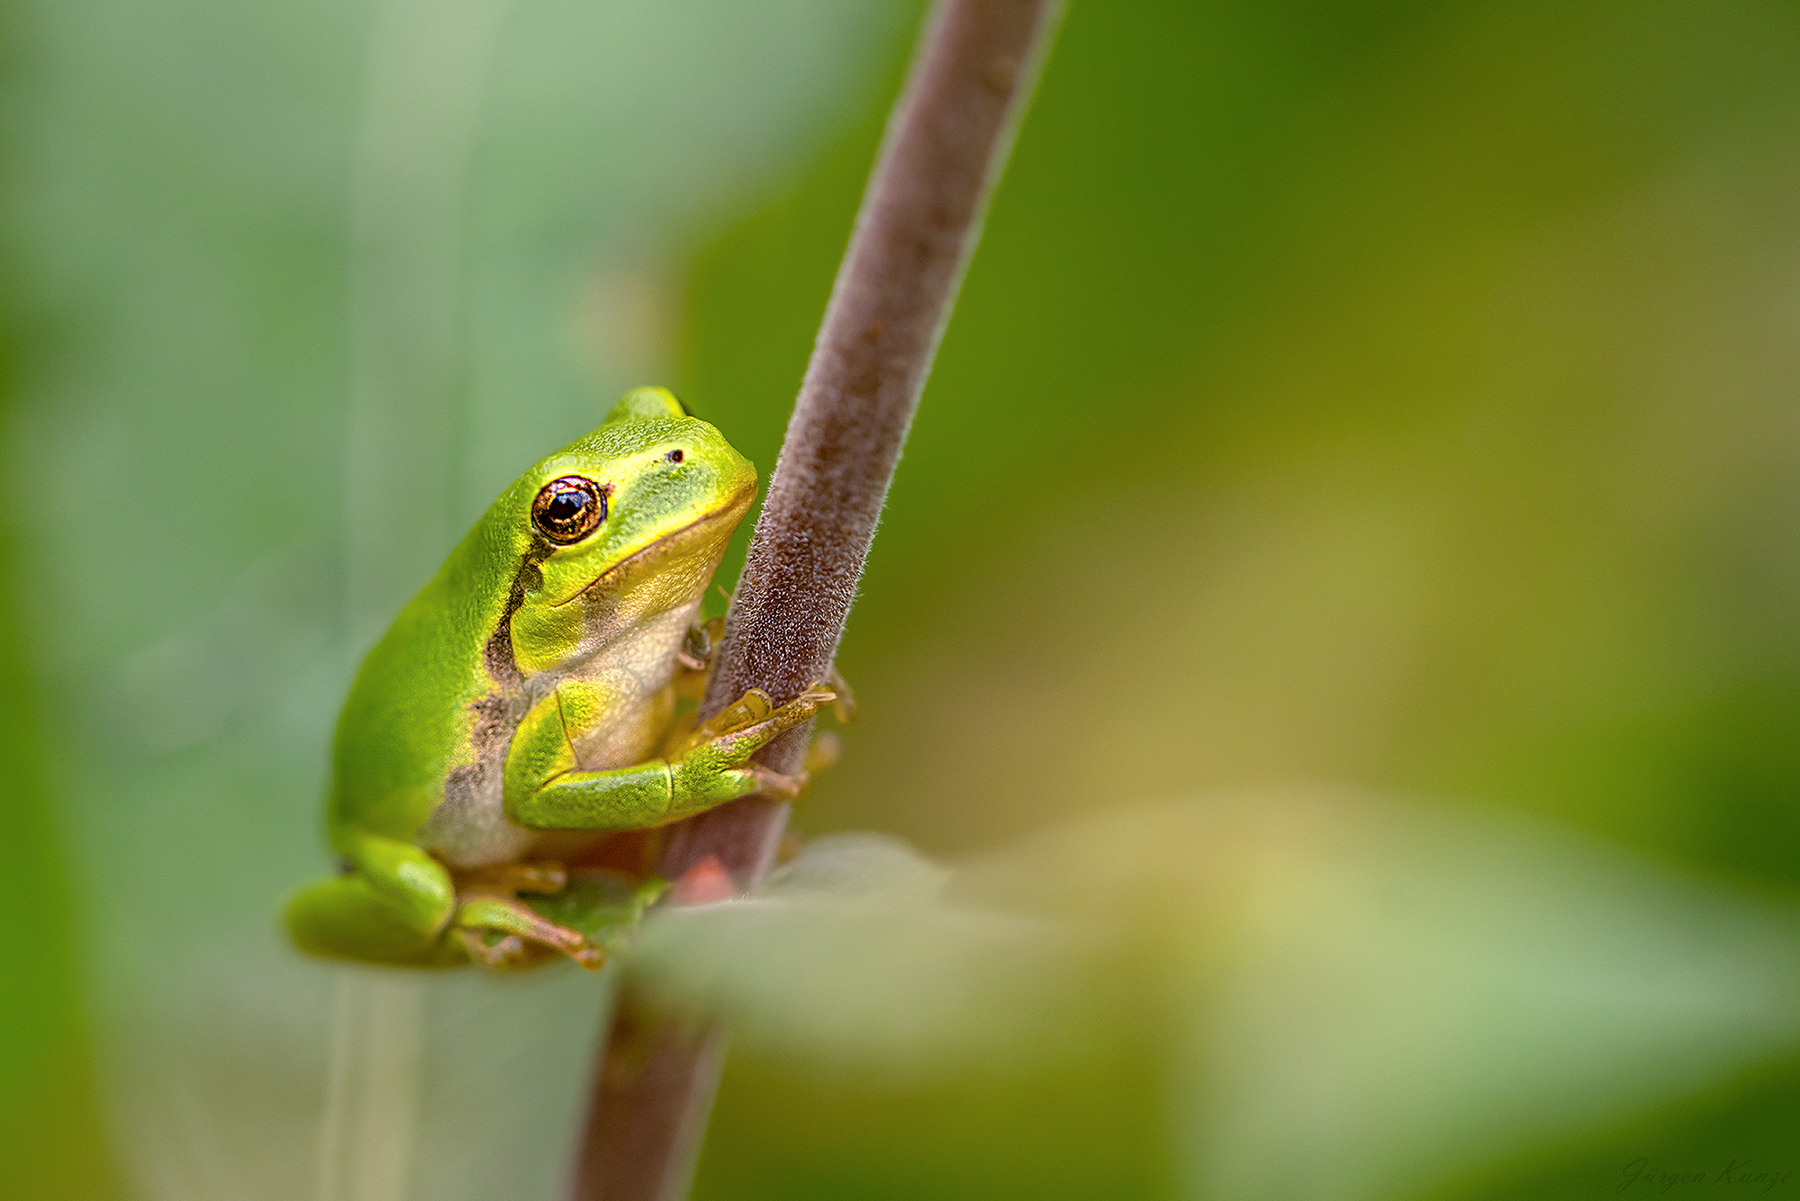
x: 851, y: 957
x: 1381, y: 997
x: 1356, y: 999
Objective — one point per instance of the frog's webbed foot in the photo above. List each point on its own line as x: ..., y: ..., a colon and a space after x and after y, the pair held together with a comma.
x: 501, y: 931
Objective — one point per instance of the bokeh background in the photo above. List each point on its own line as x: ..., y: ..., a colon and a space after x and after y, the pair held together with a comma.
x: 1347, y: 563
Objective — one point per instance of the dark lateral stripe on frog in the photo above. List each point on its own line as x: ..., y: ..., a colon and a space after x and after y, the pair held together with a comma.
x: 496, y: 713
x: 498, y: 653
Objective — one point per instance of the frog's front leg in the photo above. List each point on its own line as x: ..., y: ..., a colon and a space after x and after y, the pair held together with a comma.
x: 546, y: 790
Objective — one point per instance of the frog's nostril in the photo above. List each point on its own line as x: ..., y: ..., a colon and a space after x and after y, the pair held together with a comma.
x: 674, y: 456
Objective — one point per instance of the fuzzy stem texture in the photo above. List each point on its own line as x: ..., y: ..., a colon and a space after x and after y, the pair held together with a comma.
x: 946, y: 142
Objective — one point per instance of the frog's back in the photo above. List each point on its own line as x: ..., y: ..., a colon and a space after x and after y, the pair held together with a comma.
x: 409, y: 721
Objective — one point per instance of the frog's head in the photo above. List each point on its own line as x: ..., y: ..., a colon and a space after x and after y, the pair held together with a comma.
x: 622, y: 525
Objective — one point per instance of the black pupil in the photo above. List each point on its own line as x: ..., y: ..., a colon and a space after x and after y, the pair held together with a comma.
x: 567, y: 506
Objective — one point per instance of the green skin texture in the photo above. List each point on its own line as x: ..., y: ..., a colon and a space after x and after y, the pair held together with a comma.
x: 515, y: 706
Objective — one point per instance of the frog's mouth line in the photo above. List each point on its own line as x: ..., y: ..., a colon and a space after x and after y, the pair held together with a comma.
x: 732, y: 510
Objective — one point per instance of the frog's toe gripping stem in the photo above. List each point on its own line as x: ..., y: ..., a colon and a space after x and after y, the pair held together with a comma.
x: 773, y: 784
x: 752, y: 722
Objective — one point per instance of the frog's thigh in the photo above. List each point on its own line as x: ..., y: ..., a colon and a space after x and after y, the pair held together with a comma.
x: 545, y: 792
x: 416, y: 886
x: 347, y: 918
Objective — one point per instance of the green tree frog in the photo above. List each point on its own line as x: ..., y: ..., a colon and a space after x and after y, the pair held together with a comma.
x: 520, y: 709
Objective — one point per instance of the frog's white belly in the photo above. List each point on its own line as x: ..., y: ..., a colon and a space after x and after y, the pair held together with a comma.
x: 470, y: 827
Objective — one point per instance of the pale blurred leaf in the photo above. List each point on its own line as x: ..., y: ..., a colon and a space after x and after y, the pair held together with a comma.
x: 851, y: 958
x: 1353, y: 998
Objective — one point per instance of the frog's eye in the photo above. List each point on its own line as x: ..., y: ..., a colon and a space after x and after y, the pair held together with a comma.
x: 567, y: 509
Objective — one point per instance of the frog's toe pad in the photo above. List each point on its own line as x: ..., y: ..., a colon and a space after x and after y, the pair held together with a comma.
x: 774, y: 784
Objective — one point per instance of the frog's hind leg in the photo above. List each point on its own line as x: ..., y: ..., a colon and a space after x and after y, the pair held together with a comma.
x: 347, y: 918
x: 520, y: 930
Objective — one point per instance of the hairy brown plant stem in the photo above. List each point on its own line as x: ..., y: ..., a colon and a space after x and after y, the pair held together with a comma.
x: 946, y: 143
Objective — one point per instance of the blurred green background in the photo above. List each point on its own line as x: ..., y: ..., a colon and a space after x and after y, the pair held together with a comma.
x: 1394, y: 395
